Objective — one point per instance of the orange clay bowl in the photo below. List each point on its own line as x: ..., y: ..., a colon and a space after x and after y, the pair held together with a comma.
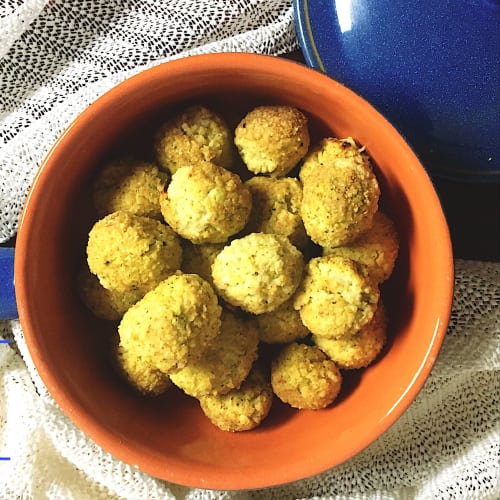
x: 168, y: 436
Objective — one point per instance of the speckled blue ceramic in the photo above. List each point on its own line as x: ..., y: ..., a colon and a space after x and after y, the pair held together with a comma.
x: 432, y: 68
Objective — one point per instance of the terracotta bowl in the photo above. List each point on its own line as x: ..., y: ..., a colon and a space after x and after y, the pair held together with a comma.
x: 169, y: 437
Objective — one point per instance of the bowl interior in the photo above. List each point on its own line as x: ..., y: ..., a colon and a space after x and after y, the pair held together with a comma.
x: 168, y: 436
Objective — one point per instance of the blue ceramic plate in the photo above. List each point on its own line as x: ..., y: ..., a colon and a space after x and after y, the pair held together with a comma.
x: 432, y: 68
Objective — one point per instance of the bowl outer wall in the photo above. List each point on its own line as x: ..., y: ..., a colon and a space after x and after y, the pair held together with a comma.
x: 179, y: 444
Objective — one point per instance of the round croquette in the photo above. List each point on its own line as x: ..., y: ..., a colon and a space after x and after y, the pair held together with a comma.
x: 130, y: 185
x: 103, y: 303
x: 140, y: 373
x: 361, y: 349
x: 340, y: 192
x: 174, y: 324
x: 225, y: 364
x: 131, y: 252
x: 304, y: 377
x: 206, y: 203
x: 335, y: 299
x: 282, y: 325
x: 240, y: 409
x: 375, y: 250
x: 276, y: 208
x: 195, y: 135
x: 198, y: 259
x: 272, y: 139
x: 257, y: 272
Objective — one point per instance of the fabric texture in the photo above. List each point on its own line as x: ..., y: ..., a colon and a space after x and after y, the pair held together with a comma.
x: 56, y: 57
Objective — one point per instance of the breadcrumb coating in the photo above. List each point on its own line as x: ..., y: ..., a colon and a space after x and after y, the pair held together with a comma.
x: 276, y: 208
x: 282, y: 325
x: 376, y: 250
x: 198, y: 259
x: 304, y: 377
x: 130, y: 185
x: 194, y: 135
x: 130, y: 252
x: 206, y: 203
x: 140, y: 373
x: 103, y: 303
x: 272, y: 139
x: 174, y: 324
x: 335, y: 299
x: 340, y: 193
x: 361, y: 349
x: 240, y: 409
x: 257, y: 272
x: 225, y: 364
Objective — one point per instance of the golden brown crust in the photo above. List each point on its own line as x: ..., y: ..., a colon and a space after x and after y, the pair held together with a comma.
x: 131, y: 252
x: 240, y: 409
x: 225, y: 364
x: 304, y: 377
x: 174, y: 324
x: 335, y: 298
x: 195, y: 135
x: 272, y: 139
x: 206, y: 203
x: 339, y: 192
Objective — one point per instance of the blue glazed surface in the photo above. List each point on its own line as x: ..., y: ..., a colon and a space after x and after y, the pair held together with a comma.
x: 432, y: 68
x: 8, y: 307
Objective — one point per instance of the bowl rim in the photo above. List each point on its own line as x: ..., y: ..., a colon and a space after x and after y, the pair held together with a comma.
x: 78, y: 414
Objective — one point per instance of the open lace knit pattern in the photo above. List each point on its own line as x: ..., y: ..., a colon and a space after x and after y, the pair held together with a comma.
x: 444, y: 446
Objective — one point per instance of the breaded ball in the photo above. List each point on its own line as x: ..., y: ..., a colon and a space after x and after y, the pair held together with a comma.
x: 304, y: 377
x: 240, y: 409
x: 174, y: 324
x: 130, y: 185
x: 140, y: 373
x: 198, y: 259
x: 276, y: 208
x: 272, y: 139
x: 335, y: 299
x: 375, y: 250
x: 339, y: 192
x: 206, y: 203
x: 282, y: 325
x: 258, y: 272
x: 103, y: 303
x: 131, y: 252
x: 225, y: 364
x: 361, y: 349
x: 193, y: 136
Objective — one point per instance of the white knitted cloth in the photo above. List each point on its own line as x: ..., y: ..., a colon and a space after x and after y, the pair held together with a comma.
x: 56, y: 57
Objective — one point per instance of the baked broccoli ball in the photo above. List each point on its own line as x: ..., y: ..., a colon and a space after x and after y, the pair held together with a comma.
x: 339, y: 192
x: 225, y: 364
x: 272, y: 139
x: 130, y: 185
x: 304, y: 377
x: 198, y: 259
x: 140, y: 373
x: 240, y: 409
x: 282, y: 325
x: 335, y: 299
x: 206, y: 203
x: 103, y: 303
x: 174, y: 324
x: 193, y: 136
x: 131, y: 252
x: 375, y: 250
x: 258, y: 272
x: 276, y: 208
x: 360, y: 349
